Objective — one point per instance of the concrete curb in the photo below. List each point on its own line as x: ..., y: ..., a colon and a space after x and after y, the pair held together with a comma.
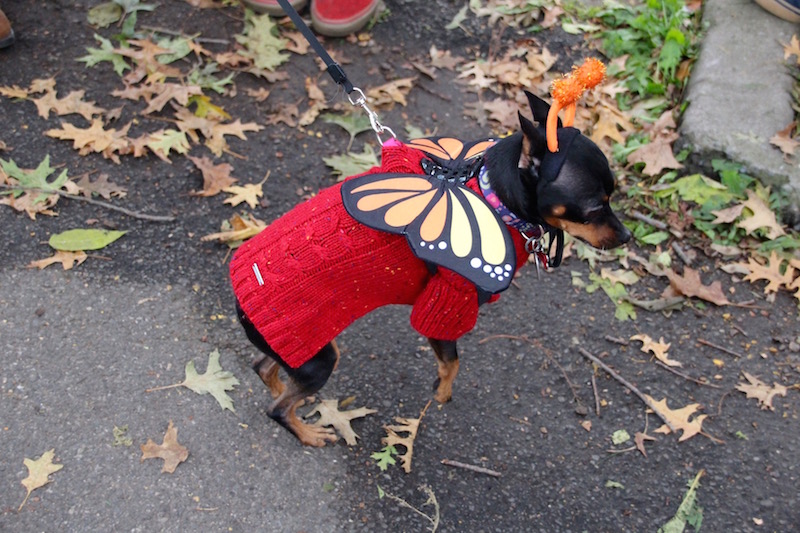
x: 741, y: 67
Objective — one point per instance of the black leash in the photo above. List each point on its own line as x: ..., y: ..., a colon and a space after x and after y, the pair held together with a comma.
x: 334, y: 69
x: 337, y: 72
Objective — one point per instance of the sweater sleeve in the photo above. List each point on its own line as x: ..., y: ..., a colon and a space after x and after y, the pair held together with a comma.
x: 447, y: 308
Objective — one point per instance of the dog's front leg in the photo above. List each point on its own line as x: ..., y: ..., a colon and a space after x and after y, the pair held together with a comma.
x: 447, y: 357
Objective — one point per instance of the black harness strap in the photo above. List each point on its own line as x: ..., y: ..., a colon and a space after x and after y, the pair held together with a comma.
x: 334, y: 69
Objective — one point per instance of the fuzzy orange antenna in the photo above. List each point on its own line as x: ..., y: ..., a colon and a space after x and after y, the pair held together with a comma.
x: 566, y: 91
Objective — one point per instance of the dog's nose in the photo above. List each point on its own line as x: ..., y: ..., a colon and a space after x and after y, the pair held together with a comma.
x: 624, y: 235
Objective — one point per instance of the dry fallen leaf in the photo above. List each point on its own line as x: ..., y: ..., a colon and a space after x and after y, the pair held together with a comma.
x: 215, y: 177
x: 783, y: 140
x: 658, y: 349
x: 242, y: 227
x: 329, y: 415
x: 690, y: 285
x: 68, y: 260
x: 249, y: 193
x: 761, y: 391
x: 169, y: 450
x: 656, y: 155
x: 639, y: 439
x: 38, y: 473
x: 404, y: 425
x: 792, y: 49
x: 770, y: 272
x: 679, y: 418
x: 763, y: 217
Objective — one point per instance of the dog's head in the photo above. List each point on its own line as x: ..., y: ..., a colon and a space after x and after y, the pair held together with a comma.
x: 573, y: 185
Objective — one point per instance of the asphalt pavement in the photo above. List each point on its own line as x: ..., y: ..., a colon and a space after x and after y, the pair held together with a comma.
x: 80, y: 348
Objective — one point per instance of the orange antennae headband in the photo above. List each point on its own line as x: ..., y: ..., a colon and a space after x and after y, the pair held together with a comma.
x: 566, y: 92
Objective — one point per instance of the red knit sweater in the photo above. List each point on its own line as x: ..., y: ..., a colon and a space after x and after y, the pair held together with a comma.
x: 320, y: 270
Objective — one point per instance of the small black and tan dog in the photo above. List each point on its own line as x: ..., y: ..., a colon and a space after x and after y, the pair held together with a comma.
x: 432, y: 243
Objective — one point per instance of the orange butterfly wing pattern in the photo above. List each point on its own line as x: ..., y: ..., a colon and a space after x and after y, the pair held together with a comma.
x: 444, y: 223
x: 453, y: 154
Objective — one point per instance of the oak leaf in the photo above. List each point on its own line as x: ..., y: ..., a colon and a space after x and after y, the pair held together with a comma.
x: 101, y: 187
x: 681, y: 419
x: 330, y: 415
x: 392, y: 92
x: 783, y: 140
x: 237, y: 230
x: 215, y: 177
x: 690, y: 285
x: 165, y: 92
x: 770, y: 272
x: 68, y: 260
x: 761, y: 391
x: 169, y: 450
x: 39, y: 471
x: 443, y: 58
x: 792, y: 49
x: 410, y: 426
x: 727, y: 215
x: 33, y: 191
x: 610, y: 124
x: 162, y: 142
x: 763, y: 217
x: 72, y: 103
x: 215, y: 137
x: 249, y: 193
x: 658, y: 349
x: 656, y: 155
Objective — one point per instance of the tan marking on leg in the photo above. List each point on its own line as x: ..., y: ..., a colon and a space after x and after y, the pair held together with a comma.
x: 268, y: 372
x: 336, y: 351
x: 447, y: 374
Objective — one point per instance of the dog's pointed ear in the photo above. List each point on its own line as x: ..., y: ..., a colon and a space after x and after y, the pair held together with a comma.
x: 533, y: 142
x: 539, y: 108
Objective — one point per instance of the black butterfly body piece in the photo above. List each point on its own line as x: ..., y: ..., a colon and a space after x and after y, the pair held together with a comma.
x: 446, y: 223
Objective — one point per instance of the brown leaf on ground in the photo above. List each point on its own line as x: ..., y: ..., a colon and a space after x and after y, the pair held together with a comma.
x: 392, y: 92
x: 259, y: 95
x: 238, y: 229
x: 690, y: 285
x: 404, y: 425
x: 101, y: 187
x: 681, y: 419
x: 39, y: 473
x: 215, y: 177
x: 169, y: 450
x: 727, y: 215
x: 658, y: 349
x: 165, y: 92
x: 639, y: 439
x: 763, y: 217
x: 770, y: 272
x: 761, y: 391
x: 215, y: 138
x: 783, y: 140
x: 329, y: 415
x: 611, y: 124
x: 792, y: 49
x: 444, y: 59
x: 110, y: 142
x: 656, y: 155
x: 72, y: 103
x: 68, y: 260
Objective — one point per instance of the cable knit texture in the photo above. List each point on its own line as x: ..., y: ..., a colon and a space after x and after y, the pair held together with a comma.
x: 322, y: 270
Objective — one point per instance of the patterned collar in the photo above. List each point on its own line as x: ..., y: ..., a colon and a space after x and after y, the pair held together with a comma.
x: 528, y: 229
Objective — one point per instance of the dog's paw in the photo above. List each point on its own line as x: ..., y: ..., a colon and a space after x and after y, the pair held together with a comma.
x: 316, y: 436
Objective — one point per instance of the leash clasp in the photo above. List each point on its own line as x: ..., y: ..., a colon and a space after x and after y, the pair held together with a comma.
x: 534, y: 245
x: 374, y: 121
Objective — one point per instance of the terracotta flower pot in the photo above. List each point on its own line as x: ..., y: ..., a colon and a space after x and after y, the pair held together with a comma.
x: 785, y: 9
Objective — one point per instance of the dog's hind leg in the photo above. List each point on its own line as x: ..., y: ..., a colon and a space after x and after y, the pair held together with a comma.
x: 305, y: 381
x: 447, y: 357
